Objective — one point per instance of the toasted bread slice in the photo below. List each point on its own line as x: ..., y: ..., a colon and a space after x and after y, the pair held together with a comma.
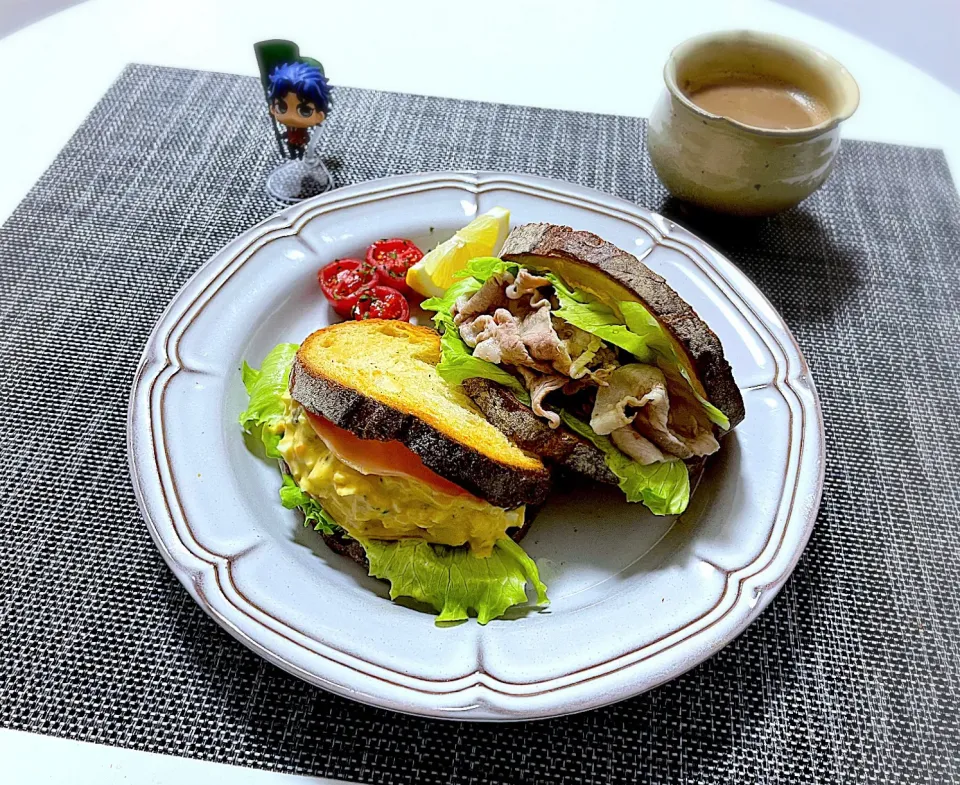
x: 585, y: 261
x: 378, y: 379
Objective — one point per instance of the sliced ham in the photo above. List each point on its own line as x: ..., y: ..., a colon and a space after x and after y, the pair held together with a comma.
x: 538, y: 335
x: 573, y: 386
x: 519, y: 334
x: 497, y: 339
x: 628, y: 389
x: 687, y: 418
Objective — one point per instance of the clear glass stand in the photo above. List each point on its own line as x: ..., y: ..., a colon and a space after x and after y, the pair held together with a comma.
x: 297, y: 180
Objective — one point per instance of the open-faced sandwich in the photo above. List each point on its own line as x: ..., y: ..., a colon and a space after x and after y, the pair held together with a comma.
x: 420, y: 453
x: 583, y: 355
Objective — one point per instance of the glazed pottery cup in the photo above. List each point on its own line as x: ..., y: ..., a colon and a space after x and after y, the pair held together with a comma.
x: 726, y: 165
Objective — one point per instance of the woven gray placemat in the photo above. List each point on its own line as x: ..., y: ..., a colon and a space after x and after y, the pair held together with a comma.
x: 851, y: 675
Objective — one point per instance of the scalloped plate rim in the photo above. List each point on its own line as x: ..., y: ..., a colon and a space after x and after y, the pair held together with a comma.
x: 203, y: 577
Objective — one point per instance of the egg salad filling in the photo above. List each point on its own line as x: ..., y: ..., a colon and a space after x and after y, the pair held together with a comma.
x: 429, y: 539
x: 373, y: 506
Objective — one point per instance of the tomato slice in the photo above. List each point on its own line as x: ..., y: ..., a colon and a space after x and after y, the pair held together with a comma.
x: 381, y: 302
x: 369, y: 456
x: 341, y: 282
x: 393, y: 258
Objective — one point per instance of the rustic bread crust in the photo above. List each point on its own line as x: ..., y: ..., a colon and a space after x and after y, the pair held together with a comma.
x: 520, y: 425
x: 548, y: 241
x: 482, y: 475
x: 351, y: 549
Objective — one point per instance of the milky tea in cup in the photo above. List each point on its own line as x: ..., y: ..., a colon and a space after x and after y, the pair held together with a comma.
x: 761, y: 102
x: 748, y: 122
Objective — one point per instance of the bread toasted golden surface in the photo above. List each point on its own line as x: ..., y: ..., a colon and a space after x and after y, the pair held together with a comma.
x: 588, y: 262
x: 378, y: 379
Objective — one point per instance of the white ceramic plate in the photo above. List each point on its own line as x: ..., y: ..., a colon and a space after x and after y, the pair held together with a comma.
x: 635, y: 600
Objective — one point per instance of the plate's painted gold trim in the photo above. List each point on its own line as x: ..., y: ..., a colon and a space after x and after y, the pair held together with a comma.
x: 220, y: 566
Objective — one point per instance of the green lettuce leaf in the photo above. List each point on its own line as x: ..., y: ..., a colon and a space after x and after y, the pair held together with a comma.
x: 314, y: 515
x: 713, y: 413
x: 642, y: 323
x: 483, y: 267
x: 452, y: 580
x: 265, y: 386
x: 599, y: 320
x: 663, y: 487
x: 444, y: 305
x: 642, y: 335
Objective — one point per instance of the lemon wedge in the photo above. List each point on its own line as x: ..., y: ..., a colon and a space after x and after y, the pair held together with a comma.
x: 483, y: 236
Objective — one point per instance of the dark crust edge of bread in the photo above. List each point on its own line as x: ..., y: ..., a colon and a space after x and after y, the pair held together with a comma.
x: 558, y: 446
x: 499, y: 484
x: 700, y: 342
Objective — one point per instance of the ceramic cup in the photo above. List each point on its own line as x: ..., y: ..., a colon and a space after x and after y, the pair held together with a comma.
x: 726, y: 165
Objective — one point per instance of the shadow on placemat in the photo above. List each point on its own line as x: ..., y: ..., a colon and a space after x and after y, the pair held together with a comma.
x: 850, y: 675
x: 795, y: 240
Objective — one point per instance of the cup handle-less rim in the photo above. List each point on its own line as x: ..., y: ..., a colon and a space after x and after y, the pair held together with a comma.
x: 842, y: 78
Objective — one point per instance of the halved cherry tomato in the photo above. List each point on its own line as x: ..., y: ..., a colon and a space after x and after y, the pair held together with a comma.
x: 393, y: 258
x: 342, y: 281
x: 381, y: 302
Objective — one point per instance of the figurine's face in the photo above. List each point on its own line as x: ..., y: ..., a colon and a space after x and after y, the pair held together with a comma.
x: 291, y: 111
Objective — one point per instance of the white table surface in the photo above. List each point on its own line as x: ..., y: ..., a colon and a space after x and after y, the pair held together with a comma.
x: 601, y: 56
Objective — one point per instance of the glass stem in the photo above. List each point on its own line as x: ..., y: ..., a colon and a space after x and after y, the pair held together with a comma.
x: 311, y: 156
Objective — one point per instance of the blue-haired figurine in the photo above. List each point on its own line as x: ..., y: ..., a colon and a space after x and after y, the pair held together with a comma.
x: 299, y: 99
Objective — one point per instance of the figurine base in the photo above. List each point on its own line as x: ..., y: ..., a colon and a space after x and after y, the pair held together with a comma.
x: 295, y: 181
